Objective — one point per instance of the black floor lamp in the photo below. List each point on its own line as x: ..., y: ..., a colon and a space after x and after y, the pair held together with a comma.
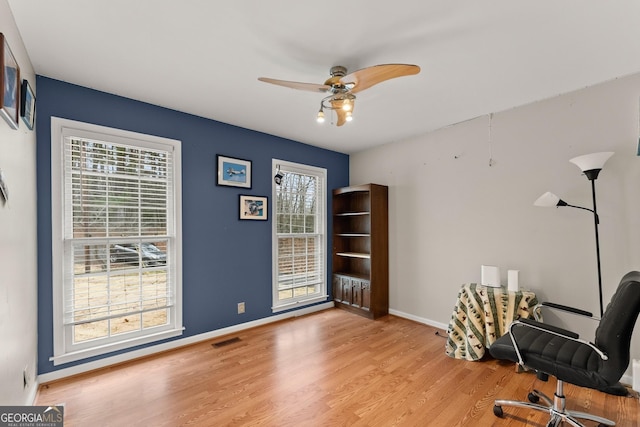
x: 591, y: 165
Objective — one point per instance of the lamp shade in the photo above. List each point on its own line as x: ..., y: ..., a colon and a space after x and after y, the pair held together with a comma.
x: 547, y: 200
x: 592, y: 162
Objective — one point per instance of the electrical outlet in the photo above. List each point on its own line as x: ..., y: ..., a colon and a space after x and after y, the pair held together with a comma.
x: 240, y: 307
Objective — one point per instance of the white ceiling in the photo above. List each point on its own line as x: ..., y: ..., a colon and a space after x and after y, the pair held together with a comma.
x: 204, y: 57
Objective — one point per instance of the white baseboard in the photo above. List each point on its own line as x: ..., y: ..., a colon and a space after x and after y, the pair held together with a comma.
x: 33, y: 393
x: 125, y: 357
x: 419, y: 319
x: 627, y: 379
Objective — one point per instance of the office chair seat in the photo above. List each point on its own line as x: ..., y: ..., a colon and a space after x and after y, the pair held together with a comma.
x: 569, y: 361
x: 560, y: 353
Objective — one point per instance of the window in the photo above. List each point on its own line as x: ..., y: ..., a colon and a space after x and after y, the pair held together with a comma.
x: 116, y: 239
x: 299, y: 236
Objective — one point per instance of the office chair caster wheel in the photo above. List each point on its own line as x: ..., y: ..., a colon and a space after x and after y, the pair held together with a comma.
x: 497, y: 411
x: 533, y: 398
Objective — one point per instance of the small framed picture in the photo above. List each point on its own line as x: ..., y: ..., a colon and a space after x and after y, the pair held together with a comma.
x: 234, y: 172
x: 27, y: 105
x: 9, y: 84
x: 253, y: 207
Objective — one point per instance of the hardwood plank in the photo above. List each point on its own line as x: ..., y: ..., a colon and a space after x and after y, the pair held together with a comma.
x: 332, y: 368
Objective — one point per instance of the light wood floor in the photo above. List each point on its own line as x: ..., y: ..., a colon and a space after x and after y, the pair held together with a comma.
x: 331, y: 368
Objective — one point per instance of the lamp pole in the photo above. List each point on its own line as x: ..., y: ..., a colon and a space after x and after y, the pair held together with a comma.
x: 595, y: 224
x: 591, y: 165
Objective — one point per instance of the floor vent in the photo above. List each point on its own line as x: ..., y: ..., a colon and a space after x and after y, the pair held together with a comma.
x: 226, y: 342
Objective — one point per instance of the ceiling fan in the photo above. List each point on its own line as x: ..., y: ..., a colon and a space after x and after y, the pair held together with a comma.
x: 343, y: 87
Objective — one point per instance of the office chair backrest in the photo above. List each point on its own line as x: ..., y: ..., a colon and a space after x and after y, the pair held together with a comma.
x: 613, y: 335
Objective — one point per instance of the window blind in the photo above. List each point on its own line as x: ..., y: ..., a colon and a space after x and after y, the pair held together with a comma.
x: 117, y: 237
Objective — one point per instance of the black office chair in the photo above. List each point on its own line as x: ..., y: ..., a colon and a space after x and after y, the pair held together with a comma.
x: 560, y: 353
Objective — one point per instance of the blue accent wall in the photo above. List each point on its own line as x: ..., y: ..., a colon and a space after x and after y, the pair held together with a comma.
x: 225, y: 260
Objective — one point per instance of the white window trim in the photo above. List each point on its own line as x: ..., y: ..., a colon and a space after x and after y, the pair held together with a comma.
x: 58, y: 129
x: 304, y: 169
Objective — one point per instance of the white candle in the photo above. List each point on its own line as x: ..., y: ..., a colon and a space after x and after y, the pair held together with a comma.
x: 512, y: 280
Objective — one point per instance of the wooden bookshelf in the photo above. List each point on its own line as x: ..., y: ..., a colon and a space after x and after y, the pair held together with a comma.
x: 361, y: 249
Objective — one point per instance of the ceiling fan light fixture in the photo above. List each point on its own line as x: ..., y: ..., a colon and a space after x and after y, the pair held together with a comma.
x: 342, y: 87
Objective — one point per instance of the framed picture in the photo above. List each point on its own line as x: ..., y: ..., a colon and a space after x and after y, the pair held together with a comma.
x: 253, y: 207
x: 9, y: 84
x: 27, y: 105
x: 234, y: 172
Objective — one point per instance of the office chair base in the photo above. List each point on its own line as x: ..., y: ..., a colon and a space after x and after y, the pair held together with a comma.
x: 555, y: 408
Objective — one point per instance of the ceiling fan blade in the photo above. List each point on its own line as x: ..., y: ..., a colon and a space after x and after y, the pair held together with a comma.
x: 312, y: 87
x: 367, y: 77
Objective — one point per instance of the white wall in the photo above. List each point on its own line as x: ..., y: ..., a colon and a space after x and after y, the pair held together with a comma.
x: 18, y: 262
x: 450, y: 211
